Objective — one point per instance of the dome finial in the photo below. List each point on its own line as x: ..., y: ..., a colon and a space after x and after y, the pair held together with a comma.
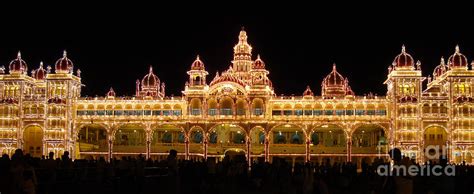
x: 18, y: 55
x: 457, y: 48
x: 151, y: 69
x: 258, y: 56
x: 65, y: 54
x: 41, y: 64
x: 334, y: 66
x: 243, y: 35
x: 442, y: 61
x: 197, y: 57
x: 403, y: 48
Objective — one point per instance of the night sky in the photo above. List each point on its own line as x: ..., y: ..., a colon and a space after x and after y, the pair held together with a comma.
x: 115, y: 46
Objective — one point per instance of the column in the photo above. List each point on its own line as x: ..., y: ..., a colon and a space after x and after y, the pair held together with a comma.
x: 249, y: 156
x: 205, y: 149
x: 267, y: 150
x: 308, y: 151
x: 148, y: 149
x: 349, y: 149
x: 186, y: 148
x: 110, y: 150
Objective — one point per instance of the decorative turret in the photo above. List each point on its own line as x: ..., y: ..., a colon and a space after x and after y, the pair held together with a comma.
x: 258, y: 64
x: 440, y: 69
x: 40, y: 73
x: 18, y: 65
x: 64, y: 64
x: 111, y: 93
x: 259, y: 74
x: 457, y: 60
x: 197, y: 74
x: 403, y: 61
x: 308, y: 92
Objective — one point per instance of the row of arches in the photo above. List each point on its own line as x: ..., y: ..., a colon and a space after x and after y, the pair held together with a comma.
x: 282, y: 139
x: 226, y: 105
x: 129, y: 106
x: 369, y: 106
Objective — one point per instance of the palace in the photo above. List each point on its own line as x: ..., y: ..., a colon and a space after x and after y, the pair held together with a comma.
x: 238, y: 113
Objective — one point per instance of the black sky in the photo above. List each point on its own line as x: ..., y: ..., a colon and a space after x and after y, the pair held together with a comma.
x: 115, y: 46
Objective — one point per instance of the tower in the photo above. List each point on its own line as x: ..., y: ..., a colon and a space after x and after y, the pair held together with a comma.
x: 197, y: 74
x: 15, y: 87
x: 196, y: 88
x: 404, y: 88
x: 242, y: 62
x: 454, y: 81
x: 63, y: 89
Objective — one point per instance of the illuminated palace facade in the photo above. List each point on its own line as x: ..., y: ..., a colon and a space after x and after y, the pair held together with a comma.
x: 237, y: 112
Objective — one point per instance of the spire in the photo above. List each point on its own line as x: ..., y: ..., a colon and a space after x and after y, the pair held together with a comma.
x: 18, y: 56
x: 243, y: 35
x: 258, y: 57
x: 403, y: 48
x: 41, y: 65
x: 308, y: 91
x: 65, y: 54
x: 457, y: 49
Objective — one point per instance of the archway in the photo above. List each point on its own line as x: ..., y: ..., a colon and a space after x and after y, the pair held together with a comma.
x: 129, y: 140
x: 328, y: 141
x: 92, y: 141
x: 257, y: 142
x: 225, y: 136
x: 288, y: 141
x: 369, y: 140
x: 33, y: 140
x: 166, y: 138
x: 195, y: 106
x: 226, y: 106
x: 196, y: 140
x: 235, y: 155
x: 434, y: 142
x: 257, y: 107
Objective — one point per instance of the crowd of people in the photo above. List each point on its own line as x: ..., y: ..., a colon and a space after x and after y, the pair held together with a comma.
x: 24, y: 174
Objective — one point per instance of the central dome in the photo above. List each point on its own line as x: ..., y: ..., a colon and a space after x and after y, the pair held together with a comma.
x: 150, y: 80
x: 335, y: 85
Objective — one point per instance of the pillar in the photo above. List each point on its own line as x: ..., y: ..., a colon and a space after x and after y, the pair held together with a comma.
x: 267, y: 150
x: 110, y: 150
x: 249, y: 156
x: 205, y: 149
x: 186, y: 148
x: 308, y: 151
x: 148, y: 149
x: 349, y: 150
